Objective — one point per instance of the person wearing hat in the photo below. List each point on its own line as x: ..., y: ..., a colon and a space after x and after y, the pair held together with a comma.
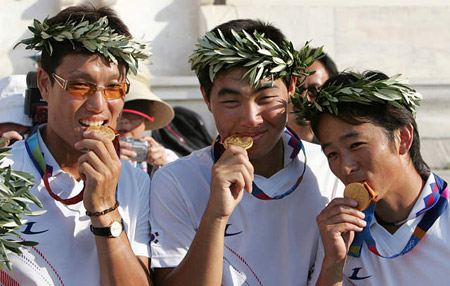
x: 144, y: 111
x: 13, y: 120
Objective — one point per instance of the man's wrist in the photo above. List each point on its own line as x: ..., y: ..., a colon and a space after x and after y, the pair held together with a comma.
x: 114, y: 229
x: 103, y: 212
x: 332, y: 272
x: 105, y: 220
x: 211, y: 215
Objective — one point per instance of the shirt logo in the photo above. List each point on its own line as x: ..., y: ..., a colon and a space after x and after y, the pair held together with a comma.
x: 355, y: 276
x: 154, y: 237
x: 230, y: 234
x: 28, y: 227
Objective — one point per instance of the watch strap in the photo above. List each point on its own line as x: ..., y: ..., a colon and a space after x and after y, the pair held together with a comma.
x: 105, y: 231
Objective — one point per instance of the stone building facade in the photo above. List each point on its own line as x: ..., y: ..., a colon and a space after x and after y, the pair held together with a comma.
x: 394, y: 36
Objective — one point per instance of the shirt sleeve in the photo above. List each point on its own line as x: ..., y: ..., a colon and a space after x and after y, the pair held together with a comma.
x: 315, y: 272
x: 141, y: 242
x: 171, y: 219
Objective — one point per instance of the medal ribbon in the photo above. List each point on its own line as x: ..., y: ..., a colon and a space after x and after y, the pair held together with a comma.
x: 37, y: 157
x: 435, y: 205
x: 217, y: 150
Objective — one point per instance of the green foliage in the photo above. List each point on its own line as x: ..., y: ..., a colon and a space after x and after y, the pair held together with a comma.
x: 260, y: 55
x: 95, y: 37
x: 15, y: 197
x: 364, y: 90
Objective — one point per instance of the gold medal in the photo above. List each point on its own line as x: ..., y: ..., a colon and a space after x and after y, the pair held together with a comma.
x: 102, y: 131
x: 359, y: 193
x: 245, y: 142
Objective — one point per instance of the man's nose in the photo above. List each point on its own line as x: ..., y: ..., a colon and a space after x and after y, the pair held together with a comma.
x: 348, y: 165
x: 251, y: 115
x: 97, y: 101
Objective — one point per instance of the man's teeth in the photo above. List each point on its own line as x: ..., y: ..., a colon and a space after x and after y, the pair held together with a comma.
x: 91, y: 123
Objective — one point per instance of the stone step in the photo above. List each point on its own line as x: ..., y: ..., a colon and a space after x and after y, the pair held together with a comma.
x: 433, y: 121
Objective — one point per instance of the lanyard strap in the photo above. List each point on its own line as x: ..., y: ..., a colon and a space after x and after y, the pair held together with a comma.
x: 435, y: 205
x: 37, y: 157
x: 217, y: 150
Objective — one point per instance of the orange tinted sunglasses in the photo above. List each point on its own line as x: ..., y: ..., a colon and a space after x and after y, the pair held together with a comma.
x: 84, y: 89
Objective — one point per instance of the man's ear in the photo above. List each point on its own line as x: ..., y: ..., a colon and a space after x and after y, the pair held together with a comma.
x: 205, y: 98
x: 291, y: 88
x: 406, y: 138
x: 43, y: 81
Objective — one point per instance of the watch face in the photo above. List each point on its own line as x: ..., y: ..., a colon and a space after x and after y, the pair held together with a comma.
x: 116, y: 228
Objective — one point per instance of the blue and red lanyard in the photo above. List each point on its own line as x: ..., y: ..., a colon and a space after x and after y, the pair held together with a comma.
x: 217, y: 150
x: 435, y: 205
x: 45, y: 170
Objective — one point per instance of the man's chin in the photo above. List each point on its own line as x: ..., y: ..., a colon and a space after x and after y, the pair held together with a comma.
x: 256, y: 153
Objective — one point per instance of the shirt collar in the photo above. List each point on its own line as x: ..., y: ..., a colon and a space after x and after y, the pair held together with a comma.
x: 422, y: 199
x: 288, y: 150
x: 48, y: 157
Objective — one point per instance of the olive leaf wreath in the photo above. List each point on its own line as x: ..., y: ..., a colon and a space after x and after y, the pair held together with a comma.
x: 364, y: 90
x: 95, y: 37
x: 260, y: 55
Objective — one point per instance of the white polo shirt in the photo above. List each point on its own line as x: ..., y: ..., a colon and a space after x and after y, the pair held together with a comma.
x: 270, y: 242
x: 426, y: 264
x: 66, y: 253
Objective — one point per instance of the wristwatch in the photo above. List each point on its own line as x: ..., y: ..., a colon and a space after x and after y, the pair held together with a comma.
x: 113, y: 230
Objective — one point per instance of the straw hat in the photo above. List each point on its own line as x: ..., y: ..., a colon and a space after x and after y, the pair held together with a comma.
x: 140, y: 100
x: 12, y: 97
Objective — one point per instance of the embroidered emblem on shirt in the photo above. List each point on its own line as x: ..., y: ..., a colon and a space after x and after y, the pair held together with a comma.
x: 355, y: 276
x: 230, y: 234
x: 28, y: 227
x: 156, y: 237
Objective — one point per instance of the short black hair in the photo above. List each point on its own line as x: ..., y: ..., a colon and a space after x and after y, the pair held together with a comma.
x: 384, y: 115
x: 328, y: 63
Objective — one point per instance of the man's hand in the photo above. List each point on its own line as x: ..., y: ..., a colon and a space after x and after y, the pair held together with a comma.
x: 337, y: 224
x: 8, y: 136
x: 230, y: 176
x: 100, y: 168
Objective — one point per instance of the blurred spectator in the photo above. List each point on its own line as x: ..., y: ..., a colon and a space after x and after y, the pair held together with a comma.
x: 144, y: 111
x: 14, y: 123
x: 324, y: 69
x: 185, y: 133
